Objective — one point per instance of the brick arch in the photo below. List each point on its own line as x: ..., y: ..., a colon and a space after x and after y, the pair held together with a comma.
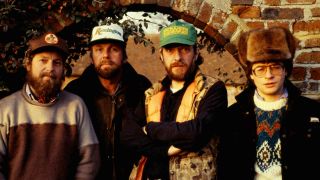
x: 225, y: 20
x: 216, y: 23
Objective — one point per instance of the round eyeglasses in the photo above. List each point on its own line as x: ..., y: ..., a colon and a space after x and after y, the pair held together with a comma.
x: 275, y: 69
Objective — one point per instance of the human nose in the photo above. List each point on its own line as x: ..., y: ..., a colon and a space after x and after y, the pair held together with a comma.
x: 106, y: 53
x: 176, y: 55
x: 268, y: 72
x: 50, y: 65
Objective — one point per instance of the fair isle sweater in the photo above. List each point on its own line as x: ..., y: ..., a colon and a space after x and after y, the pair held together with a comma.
x: 268, y: 117
x: 53, y: 141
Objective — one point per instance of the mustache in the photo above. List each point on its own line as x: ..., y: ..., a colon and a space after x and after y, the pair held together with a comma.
x: 49, y: 74
x: 177, y: 64
x: 105, y: 61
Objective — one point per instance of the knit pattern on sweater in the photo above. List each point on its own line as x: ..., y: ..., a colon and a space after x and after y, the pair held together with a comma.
x: 268, y: 143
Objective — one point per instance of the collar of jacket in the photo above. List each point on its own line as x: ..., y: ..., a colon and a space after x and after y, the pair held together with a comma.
x: 246, y: 97
x: 90, y: 76
x: 199, y: 79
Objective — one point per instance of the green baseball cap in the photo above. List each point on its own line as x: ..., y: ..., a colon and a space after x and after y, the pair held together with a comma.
x: 178, y: 32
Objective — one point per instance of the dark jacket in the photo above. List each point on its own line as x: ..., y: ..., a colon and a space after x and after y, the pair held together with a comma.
x: 107, y: 113
x: 190, y: 135
x: 300, y: 138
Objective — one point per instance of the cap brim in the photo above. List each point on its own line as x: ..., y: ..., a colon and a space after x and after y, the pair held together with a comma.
x: 177, y: 41
x: 100, y: 41
x: 50, y: 48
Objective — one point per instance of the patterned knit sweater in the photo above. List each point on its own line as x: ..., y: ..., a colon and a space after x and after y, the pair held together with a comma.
x: 268, y: 119
x: 53, y: 141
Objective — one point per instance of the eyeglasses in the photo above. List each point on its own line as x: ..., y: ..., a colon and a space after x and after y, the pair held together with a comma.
x: 275, y: 69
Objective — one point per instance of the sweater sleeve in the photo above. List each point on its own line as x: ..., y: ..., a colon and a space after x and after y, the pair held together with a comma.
x: 89, y: 162
x: 3, y: 150
x: 195, y: 133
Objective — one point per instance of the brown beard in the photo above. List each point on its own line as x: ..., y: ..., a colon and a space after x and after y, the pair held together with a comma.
x: 45, y: 90
x: 179, y: 77
x: 110, y: 72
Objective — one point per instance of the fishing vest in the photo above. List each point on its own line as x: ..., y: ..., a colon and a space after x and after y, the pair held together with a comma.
x: 186, y: 165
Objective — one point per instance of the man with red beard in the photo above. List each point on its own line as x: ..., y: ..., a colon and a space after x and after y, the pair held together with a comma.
x: 110, y: 87
x: 46, y: 133
x: 183, y: 113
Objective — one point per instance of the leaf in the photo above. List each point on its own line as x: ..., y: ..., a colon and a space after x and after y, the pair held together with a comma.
x: 146, y: 25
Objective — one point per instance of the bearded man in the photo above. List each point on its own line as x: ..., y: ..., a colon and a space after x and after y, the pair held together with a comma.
x: 46, y: 133
x: 110, y: 87
x: 184, y: 112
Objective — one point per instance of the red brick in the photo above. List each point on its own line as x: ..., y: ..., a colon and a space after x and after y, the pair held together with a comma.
x: 241, y: 2
x: 125, y: 2
x: 229, y: 29
x: 194, y: 7
x: 301, y: 1
x: 147, y: 1
x: 199, y: 24
x: 205, y: 12
x: 188, y: 18
x: 315, y: 73
x: 277, y: 24
x: 212, y: 32
x: 315, y: 12
x: 310, y: 43
x: 272, y: 2
x: 218, y: 19
x: 308, y: 57
x: 298, y: 73
x: 282, y: 13
x: 246, y: 11
x: 255, y: 25
x: 165, y: 3
x: 307, y: 26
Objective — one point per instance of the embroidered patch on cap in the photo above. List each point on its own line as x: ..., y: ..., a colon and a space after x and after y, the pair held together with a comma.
x: 178, y: 32
x: 175, y: 30
x: 51, y: 39
x: 100, y: 31
x: 107, y: 32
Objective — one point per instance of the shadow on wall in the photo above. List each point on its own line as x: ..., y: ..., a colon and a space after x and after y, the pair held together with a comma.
x: 222, y: 66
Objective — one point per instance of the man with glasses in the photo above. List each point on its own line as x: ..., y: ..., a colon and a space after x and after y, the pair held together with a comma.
x: 273, y: 132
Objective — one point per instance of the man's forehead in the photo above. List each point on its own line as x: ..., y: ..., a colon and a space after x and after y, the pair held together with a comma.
x: 266, y: 63
x: 174, y: 45
x: 48, y: 54
x: 106, y: 44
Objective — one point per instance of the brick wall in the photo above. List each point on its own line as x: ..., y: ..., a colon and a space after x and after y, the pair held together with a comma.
x: 225, y: 20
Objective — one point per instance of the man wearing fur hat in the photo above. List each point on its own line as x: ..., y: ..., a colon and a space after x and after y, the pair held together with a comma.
x: 110, y: 87
x: 273, y: 132
x: 46, y: 133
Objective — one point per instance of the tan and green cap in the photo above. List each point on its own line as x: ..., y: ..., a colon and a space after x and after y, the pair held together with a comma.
x: 178, y: 32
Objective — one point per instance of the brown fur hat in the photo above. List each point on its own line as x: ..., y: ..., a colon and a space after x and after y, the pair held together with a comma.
x: 272, y: 44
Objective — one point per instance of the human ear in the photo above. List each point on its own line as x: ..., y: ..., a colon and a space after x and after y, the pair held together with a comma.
x: 251, y: 76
